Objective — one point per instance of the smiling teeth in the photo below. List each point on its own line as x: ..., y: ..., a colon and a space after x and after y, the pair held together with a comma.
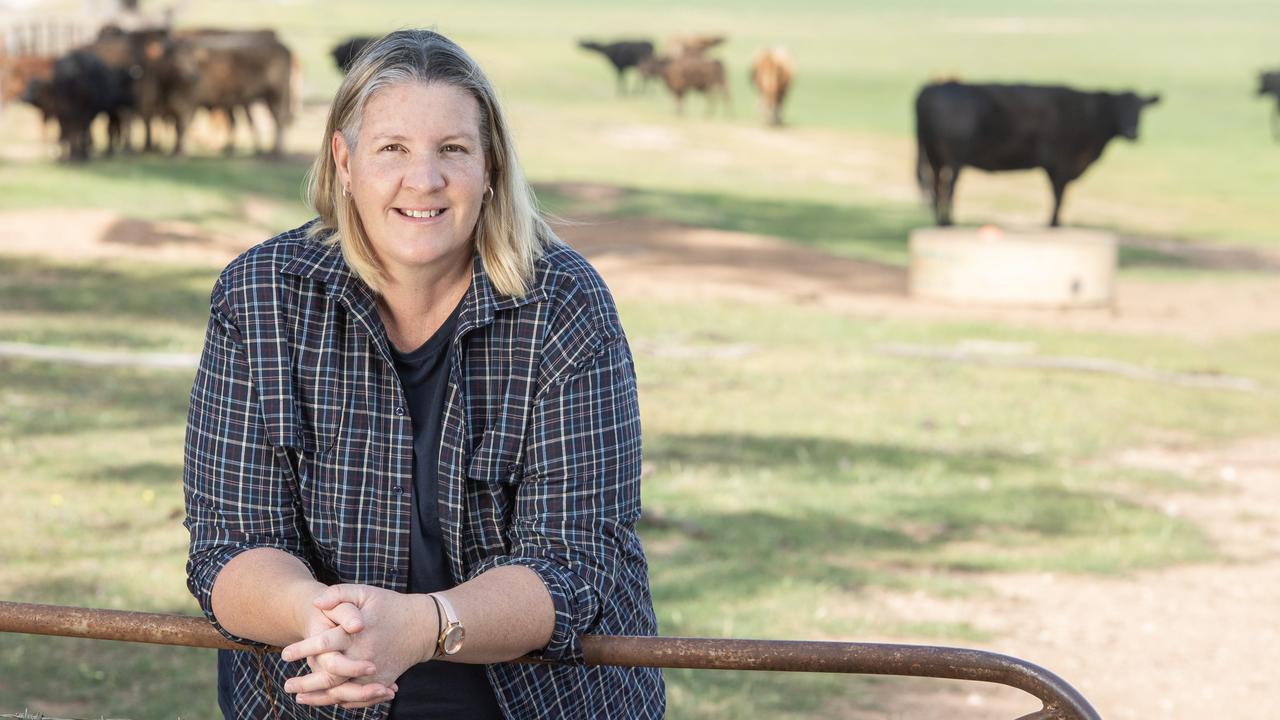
x: 422, y: 213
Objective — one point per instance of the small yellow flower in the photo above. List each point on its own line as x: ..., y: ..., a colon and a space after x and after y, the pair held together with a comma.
x: 55, y: 499
x: 148, y: 495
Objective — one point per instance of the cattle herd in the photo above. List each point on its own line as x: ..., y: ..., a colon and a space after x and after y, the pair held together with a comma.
x: 163, y: 76
x: 686, y: 66
x: 157, y: 76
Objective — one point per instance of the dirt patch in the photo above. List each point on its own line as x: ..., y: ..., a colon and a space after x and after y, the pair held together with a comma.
x: 77, y: 235
x: 1180, y: 644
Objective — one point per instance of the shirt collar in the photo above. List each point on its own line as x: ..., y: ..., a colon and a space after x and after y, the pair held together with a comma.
x: 323, y: 262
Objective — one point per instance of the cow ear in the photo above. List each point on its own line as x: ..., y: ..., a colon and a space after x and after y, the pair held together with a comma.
x: 1152, y: 100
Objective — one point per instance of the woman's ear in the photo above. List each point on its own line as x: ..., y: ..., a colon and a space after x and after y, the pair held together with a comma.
x: 341, y: 159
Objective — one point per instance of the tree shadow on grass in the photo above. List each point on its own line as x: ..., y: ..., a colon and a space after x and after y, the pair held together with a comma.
x: 278, y: 178
x: 829, y: 513
x: 112, y: 290
x: 876, y: 232
x: 56, y: 398
x: 823, y: 457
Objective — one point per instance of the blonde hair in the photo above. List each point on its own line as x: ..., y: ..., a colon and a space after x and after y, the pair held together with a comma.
x: 510, y: 235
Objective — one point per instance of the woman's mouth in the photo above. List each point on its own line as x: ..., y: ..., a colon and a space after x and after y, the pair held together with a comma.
x: 421, y: 214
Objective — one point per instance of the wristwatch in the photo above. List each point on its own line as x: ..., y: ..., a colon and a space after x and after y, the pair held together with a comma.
x: 451, y: 631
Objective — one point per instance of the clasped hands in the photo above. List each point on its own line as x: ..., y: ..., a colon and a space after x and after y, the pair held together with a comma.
x: 359, y: 639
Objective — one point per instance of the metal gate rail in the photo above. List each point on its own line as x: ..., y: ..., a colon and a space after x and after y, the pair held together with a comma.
x: 1061, y: 701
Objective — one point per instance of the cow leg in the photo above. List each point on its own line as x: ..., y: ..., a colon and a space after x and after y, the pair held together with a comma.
x: 114, y: 133
x: 253, y: 129
x: 947, y: 190
x: 1059, y: 187
x: 935, y: 194
x: 181, y: 121
x: 229, y: 148
x: 279, y: 111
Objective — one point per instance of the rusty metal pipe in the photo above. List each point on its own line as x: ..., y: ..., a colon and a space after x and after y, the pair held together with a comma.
x: 1061, y: 701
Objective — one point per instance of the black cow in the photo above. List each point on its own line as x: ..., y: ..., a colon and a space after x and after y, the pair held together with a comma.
x: 1015, y: 127
x: 346, y: 52
x: 83, y: 86
x: 622, y: 55
x: 1269, y: 84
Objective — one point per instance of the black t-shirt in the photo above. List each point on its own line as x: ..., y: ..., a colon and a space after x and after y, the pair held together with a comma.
x: 434, y: 689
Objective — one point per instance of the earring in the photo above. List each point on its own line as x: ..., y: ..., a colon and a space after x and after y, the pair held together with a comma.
x: 347, y: 191
x: 489, y: 189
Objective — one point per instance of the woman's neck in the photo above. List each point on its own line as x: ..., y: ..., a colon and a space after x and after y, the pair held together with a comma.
x: 414, y: 306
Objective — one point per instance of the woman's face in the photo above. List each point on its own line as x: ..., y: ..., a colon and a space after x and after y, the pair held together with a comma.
x: 417, y: 175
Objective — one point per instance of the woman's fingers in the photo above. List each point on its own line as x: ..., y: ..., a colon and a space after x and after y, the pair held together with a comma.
x: 342, y: 666
x: 350, y: 693
x: 332, y: 640
x: 346, y: 616
x: 336, y: 594
x: 313, y: 682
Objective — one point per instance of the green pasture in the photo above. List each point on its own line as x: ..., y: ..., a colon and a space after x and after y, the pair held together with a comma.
x: 794, y: 468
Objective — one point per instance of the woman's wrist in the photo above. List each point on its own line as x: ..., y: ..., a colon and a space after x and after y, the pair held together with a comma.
x: 432, y: 624
x: 300, y: 597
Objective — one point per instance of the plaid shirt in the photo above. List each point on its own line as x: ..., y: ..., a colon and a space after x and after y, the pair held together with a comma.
x: 298, y: 438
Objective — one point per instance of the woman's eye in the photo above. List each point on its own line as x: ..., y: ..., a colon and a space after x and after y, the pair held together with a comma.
x: 393, y: 147
x: 454, y: 149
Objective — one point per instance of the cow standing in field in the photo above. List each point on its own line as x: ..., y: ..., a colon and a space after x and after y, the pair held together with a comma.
x: 623, y: 55
x: 692, y: 73
x: 225, y: 71
x: 19, y: 72
x: 1269, y: 84
x: 1015, y: 127
x: 83, y: 86
x: 771, y: 74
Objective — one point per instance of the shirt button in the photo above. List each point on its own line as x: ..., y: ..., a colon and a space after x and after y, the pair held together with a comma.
x: 400, y: 411
x: 398, y: 489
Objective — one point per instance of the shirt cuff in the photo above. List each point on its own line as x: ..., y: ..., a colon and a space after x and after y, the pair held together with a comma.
x: 576, y: 603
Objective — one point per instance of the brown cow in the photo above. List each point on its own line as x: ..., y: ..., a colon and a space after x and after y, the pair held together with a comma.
x: 20, y: 70
x: 692, y: 72
x: 771, y: 73
x: 228, y: 70
x: 18, y: 73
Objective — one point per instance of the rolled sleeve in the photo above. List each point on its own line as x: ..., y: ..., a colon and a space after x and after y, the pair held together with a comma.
x: 237, y: 487
x: 580, y: 495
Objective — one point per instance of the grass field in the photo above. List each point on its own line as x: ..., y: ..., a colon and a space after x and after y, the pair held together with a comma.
x: 819, y: 468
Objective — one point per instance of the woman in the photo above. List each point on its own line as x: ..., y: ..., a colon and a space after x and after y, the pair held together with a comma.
x: 413, y: 447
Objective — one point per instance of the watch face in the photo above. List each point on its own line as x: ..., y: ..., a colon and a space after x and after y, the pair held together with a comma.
x: 453, y: 639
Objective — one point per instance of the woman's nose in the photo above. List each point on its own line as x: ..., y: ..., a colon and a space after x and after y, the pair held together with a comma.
x: 426, y: 174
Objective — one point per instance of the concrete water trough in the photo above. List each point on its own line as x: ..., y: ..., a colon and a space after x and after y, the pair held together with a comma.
x: 1045, y: 267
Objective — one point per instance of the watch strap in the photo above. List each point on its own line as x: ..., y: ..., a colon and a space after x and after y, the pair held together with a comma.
x: 449, y: 620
